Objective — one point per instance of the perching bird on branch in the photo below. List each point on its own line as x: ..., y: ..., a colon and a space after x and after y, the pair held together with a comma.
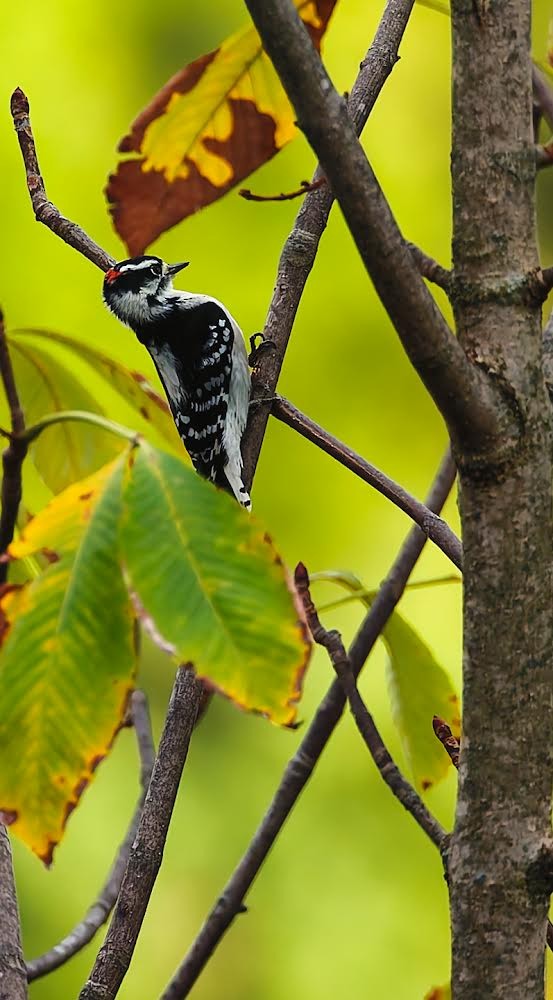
x: 200, y: 356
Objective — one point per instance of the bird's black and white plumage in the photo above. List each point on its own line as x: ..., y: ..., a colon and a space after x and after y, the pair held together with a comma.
x: 200, y: 356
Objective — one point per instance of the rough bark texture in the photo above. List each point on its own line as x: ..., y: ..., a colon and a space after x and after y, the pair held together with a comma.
x: 13, y: 978
x: 114, y: 957
x: 498, y: 899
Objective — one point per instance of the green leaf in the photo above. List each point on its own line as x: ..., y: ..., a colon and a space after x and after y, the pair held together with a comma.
x: 68, y: 661
x: 211, y: 587
x: 65, y: 452
x: 133, y: 387
x: 419, y: 689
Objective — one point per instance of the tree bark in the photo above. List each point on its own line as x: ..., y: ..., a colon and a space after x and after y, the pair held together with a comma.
x: 499, y: 890
x: 13, y: 977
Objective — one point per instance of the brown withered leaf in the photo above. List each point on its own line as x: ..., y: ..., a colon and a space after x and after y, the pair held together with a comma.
x: 209, y: 127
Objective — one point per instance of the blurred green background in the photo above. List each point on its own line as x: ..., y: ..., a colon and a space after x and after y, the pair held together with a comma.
x: 352, y: 899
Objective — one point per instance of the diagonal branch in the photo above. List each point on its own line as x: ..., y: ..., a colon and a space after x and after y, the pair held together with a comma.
x: 100, y: 910
x: 44, y: 210
x: 13, y: 981
x: 433, y: 526
x: 115, y: 955
x: 14, y: 454
x: 300, y: 249
x: 387, y: 768
x: 303, y: 763
x: 467, y: 399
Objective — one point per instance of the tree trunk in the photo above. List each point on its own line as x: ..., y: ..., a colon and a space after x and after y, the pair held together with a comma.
x: 499, y: 892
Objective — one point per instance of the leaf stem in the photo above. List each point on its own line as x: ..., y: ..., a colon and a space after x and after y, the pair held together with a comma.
x: 79, y: 416
x: 369, y: 595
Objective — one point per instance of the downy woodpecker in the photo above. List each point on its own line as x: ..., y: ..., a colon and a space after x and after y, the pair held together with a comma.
x: 200, y: 357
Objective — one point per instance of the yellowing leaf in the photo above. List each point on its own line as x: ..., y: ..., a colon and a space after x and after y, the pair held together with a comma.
x: 67, y: 664
x: 64, y: 452
x: 419, y: 689
x: 212, y: 124
x: 210, y: 586
x: 57, y: 530
x: 130, y: 385
x: 439, y: 993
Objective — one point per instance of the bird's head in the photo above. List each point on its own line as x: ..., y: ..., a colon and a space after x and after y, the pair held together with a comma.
x: 134, y: 288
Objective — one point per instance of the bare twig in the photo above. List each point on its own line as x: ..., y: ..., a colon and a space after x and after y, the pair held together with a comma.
x: 468, y: 400
x: 300, y: 249
x: 13, y: 980
x: 449, y: 742
x: 387, y: 768
x: 429, y: 268
x: 115, y: 955
x: 437, y: 530
x: 14, y: 454
x: 303, y: 763
x: 100, y: 910
x: 45, y: 211
x: 306, y: 187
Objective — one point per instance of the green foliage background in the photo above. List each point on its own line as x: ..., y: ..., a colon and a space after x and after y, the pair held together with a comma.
x: 352, y: 898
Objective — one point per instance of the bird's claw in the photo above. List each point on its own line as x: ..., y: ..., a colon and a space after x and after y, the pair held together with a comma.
x: 257, y: 350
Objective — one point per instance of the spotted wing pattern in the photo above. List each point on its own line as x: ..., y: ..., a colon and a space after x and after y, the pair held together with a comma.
x: 201, y: 421
x: 194, y: 362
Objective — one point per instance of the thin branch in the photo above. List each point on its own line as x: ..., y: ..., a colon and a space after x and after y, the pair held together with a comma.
x: 45, y: 211
x: 115, y: 955
x: 14, y: 454
x: 387, y: 768
x: 429, y: 268
x: 449, y: 742
x: 306, y: 187
x: 300, y: 249
x: 13, y: 980
x: 468, y: 400
x: 303, y: 763
x: 437, y: 530
x: 100, y: 910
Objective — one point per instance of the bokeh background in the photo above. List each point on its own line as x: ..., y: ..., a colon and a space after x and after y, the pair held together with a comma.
x: 352, y: 899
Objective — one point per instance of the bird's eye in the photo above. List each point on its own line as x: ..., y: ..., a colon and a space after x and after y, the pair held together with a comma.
x: 155, y: 269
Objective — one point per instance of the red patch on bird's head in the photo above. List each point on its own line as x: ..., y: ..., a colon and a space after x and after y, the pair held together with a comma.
x: 112, y: 275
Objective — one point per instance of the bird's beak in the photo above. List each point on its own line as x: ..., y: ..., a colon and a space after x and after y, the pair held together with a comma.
x: 175, y: 268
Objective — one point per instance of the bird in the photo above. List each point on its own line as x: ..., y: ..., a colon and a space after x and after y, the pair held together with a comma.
x: 200, y: 356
